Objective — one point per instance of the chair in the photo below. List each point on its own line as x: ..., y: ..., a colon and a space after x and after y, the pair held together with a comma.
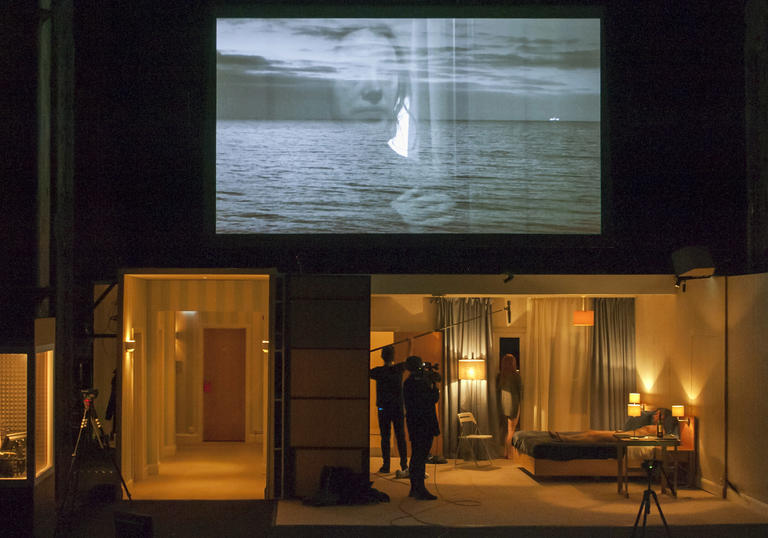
x: 469, y: 431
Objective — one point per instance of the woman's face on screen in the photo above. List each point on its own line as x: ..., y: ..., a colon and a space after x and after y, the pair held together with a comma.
x: 367, y: 86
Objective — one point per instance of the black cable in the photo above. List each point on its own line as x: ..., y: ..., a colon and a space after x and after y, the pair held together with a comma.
x: 408, y: 515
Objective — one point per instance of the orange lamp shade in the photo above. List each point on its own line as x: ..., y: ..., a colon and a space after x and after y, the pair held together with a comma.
x: 471, y: 369
x: 634, y: 410
x: 583, y: 318
x: 634, y: 397
x: 678, y: 411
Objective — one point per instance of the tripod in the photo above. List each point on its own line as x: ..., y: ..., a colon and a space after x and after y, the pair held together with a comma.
x: 90, y: 421
x: 645, y: 506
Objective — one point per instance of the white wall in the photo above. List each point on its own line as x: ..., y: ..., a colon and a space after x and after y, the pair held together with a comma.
x: 747, y: 377
x: 697, y: 373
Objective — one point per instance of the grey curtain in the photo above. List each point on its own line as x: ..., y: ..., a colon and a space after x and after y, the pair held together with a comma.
x: 468, y: 333
x: 613, y: 371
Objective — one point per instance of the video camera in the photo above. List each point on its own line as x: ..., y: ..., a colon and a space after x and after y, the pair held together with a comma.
x: 431, y: 372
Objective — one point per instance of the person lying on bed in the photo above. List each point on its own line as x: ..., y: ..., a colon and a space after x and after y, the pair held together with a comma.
x: 607, y: 436
x: 601, y: 436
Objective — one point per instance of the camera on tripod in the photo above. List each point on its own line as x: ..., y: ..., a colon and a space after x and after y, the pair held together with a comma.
x: 649, y: 466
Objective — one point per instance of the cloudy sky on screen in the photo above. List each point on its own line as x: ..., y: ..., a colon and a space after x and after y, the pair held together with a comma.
x: 530, y: 69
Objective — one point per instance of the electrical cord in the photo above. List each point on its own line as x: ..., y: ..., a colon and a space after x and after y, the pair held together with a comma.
x: 407, y: 514
x: 415, y: 515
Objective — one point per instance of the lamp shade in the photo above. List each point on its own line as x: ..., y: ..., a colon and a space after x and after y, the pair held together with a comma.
x: 583, y: 318
x: 678, y: 411
x: 634, y: 410
x: 634, y: 397
x: 471, y: 369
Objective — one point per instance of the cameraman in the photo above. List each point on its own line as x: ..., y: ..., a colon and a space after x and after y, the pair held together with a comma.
x: 420, y: 393
x: 389, y: 402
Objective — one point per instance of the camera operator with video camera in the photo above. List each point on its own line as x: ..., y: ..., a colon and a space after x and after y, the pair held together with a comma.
x: 420, y: 393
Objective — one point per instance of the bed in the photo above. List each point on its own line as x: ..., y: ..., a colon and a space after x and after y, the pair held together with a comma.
x: 542, y: 454
x: 552, y: 454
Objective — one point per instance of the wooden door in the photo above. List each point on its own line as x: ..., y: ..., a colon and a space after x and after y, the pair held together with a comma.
x: 224, y: 385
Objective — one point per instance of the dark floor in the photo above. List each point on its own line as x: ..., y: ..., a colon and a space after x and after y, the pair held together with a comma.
x: 256, y: 518
x: 97, y: 515
x: 167, y: 518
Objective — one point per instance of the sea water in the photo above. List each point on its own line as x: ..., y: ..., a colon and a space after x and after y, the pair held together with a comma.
x: 508, y: 177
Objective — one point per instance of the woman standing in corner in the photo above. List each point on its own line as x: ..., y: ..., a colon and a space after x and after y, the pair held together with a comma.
x: 511, y: 391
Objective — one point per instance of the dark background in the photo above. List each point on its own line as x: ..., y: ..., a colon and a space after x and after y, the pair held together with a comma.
x: 132, y: 159
x: 674, y: 149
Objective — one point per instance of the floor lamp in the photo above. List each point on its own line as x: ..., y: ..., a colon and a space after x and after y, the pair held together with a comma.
x: 469, y: 370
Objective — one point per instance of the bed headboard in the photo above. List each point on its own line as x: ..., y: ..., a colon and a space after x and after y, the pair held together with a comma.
x: 688, y: 434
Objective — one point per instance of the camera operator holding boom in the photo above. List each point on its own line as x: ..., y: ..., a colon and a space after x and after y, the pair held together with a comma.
x: 420, y: 394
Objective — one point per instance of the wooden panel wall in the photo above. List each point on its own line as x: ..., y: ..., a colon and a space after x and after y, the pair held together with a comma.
x: 328, y: 324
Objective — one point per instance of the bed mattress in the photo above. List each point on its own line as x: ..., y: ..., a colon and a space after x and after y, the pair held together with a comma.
x: 543, y: 445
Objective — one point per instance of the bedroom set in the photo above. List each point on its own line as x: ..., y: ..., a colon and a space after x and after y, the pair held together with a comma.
x: 610, y: 454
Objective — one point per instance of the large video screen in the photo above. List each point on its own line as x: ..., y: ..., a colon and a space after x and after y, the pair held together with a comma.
x: 381, y: 126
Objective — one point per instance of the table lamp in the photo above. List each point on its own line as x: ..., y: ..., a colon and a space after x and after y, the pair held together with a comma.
x: 679, y: 411
x: 634, y: 410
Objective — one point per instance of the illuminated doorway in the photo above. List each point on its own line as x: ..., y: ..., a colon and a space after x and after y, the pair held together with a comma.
x: 193, y: 414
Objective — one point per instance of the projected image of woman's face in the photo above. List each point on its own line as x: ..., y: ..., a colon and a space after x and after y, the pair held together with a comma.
x: 368, y: 77
x: 408, y: 126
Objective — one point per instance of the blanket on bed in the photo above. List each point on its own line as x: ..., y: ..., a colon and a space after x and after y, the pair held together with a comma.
x: 546, y: 445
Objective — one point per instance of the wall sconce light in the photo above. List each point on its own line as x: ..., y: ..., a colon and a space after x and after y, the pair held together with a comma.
x: 583, y: 317
x: 265, y: 346
x: 634, y: 397
x: 678, y: 411
x: 130, y: 343
x: 471, y: 369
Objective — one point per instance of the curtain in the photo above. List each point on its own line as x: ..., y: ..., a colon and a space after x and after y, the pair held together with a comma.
x: 613, y: 371
x: 468, y: 334
x: 555, y: 370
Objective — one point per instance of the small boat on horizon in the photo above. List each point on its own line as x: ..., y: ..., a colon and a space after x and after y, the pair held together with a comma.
x: 554, y: 118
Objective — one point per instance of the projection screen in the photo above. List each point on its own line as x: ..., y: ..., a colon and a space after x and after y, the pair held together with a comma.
x: 376, y: 126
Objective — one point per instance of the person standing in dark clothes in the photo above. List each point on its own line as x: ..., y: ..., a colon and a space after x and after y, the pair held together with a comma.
x: 389, y: 402
x: 420, y: 394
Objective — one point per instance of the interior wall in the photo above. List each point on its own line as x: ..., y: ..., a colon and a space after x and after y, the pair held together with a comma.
x: 208, y: 303
x: 747, y: 372
x: 655, y: 329
x: 696, y: 370
x: 328, y: 343
x: 149, y: 310
x: 134, y: 317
